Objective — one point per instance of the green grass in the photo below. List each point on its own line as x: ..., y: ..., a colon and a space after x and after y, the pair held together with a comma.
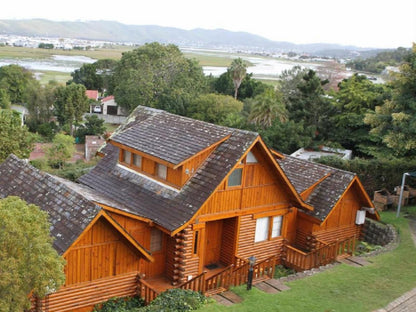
x: 342, y: 288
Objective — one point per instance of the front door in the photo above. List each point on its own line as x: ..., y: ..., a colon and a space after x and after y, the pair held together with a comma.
x: 213, y: 238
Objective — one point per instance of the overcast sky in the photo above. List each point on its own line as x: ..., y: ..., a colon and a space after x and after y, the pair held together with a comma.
x: 364, y: 23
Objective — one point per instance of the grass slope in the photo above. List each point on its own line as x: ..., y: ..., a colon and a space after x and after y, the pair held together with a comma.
x: 343, y: 288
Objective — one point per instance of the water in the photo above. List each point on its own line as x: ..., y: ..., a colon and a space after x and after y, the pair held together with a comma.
x: 58, y: 63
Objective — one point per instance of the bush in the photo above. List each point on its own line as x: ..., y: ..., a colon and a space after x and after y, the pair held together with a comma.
x: 176, y: 300
x: 282, y: 271
x: 120, y: 305
x: 375, y: 174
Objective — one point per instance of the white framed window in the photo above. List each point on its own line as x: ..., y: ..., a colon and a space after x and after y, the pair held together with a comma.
x: 268, y: 228
x: 251, y: 159
x: 137, y: 160
x: 161, y: 171
x: 262, y: 229
x: 126, y: 157
x: 276, y: 226
x: 155, y: 240
x: 235, y: 177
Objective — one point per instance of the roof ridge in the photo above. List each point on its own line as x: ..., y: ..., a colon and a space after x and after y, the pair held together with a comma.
x: 321, y: 165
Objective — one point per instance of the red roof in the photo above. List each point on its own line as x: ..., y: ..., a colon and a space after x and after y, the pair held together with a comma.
x: 108, y: 98
x: 92, y: 94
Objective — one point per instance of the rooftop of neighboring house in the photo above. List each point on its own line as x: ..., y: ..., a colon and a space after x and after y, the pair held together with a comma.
x: 107, y: 98
x: 92, y: 94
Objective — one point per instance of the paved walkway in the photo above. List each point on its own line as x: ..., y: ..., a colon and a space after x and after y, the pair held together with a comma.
x: 407, y: 302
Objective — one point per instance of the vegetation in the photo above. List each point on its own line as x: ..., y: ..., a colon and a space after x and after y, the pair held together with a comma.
x: 61, y: 150
x: 14, y: 137
x: 119, y: 305
x: 342, y: 288
x: 176, y: 300
x: 379, y: 62
x: 28, y: 262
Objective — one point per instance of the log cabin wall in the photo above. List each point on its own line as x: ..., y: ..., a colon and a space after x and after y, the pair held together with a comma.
x: 246, y: 245
x: 101, y: 252
x: 191, y: 266
x: 259, y: 189
x: 142, y: 233
x: 340, y: 223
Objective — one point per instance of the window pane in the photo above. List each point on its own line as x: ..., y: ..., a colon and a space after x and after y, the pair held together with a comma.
x: 262, y: 229
x: 126, y: 157
x: 235, y: 177
x: 161, y: 171
x: 155, y: 240
x: 277, y: 226
x: 137, y: 160
x: 251, y: 159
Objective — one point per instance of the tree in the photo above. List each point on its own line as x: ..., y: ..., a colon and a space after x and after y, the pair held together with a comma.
x: 92, y: 126
x: 14, y: 137
x: 4, y: 99
x: 70, y: 104
x: 394, y: 122
x: 267, y: 107
x: 158, y: 76
x: 238, y: 70
x: 305, y: 100
x: 356, y: 96
x: 40, y: 101
x: 15, y: 80
x: 288, y: 136
x: 61, y: 150
x: 213, y: 108
x: 28, y: 262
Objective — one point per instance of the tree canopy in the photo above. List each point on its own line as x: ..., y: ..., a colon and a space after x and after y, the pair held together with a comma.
x: 28, y: 262
x: 158, y: 76
x: 14, y: 137
x: 238, y: 70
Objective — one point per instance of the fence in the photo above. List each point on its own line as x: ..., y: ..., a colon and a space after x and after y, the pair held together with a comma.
x: 326, y: 253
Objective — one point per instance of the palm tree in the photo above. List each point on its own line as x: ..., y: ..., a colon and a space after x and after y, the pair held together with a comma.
x: 266, y: 107
x: 238, y: 70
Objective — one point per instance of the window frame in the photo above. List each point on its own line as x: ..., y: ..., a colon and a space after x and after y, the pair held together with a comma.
x: 239, y: 168
x: 134, y: 163
x: 269, y: 229
x: 165, y: 176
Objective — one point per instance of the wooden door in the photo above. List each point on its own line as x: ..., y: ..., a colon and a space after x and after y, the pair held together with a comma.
x: 213, y: 238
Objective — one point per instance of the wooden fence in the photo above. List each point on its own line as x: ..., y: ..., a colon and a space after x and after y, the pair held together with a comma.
x: 223, y: 280
x: 326, y: 253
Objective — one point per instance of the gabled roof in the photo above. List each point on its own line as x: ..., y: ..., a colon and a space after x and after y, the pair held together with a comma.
x: 70, y: 206
x: 304, y: 174
x: 69, y: 212
x: 170, y: 137
x: 169, y: 208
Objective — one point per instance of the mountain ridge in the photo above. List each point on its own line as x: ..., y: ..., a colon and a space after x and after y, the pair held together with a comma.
x: 114, y: 31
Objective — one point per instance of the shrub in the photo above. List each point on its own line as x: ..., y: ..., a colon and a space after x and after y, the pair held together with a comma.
x: 120, y: 305
x: 176, y: 300
x: 281, y: 271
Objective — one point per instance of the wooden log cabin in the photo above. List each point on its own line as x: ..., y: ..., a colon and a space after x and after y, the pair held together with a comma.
x: 174, y: 197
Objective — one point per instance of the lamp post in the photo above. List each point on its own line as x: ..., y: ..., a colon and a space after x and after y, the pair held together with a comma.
x: 401, y: 193
x: 251, y: 262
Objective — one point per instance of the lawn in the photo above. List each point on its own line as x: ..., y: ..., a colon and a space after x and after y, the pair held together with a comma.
x: 343, y: 288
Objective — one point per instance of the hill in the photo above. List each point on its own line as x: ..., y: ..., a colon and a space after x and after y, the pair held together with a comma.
x: 140, y: 34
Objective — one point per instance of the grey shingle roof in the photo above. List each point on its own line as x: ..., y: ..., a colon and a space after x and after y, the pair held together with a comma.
x: 69, y: 211
x: 169, y: 137
x: 303, y: 174
x: 144, y: 197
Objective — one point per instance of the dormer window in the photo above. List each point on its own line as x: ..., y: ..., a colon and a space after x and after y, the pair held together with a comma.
x: 161, y: 171
x: 126, y: 157
x: 137, y: 160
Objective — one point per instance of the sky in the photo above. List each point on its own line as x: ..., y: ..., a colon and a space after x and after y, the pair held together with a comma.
x: 363, y: 23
